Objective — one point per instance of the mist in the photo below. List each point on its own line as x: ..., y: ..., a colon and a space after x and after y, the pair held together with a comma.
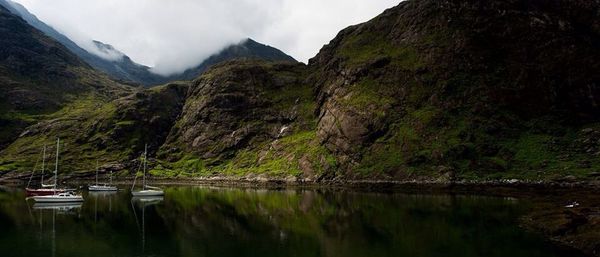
x: 172, y: 36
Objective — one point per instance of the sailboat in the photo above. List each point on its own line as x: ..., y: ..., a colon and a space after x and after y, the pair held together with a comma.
x: 104, y: 187
x: 62, y: 197
x: 44, y: 189
x: 146, y: 190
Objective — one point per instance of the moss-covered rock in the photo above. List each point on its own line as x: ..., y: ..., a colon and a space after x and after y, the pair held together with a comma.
x: 487, y: 89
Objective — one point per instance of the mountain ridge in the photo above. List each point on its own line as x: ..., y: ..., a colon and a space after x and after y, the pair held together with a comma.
x: 247, y: 48
x: 126, y: 70
x: 419, y: 92
x: 40, y: 76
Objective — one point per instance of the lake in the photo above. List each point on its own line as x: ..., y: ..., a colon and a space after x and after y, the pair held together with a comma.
x: 211, y: 221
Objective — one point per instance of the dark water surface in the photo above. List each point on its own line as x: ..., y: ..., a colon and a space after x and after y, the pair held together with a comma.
x: 218, y: 222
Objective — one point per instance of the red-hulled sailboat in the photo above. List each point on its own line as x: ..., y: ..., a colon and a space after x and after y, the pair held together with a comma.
x: 44, y: 189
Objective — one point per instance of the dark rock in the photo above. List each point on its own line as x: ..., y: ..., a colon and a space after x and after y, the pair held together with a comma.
x: 228, y: 109
x: 584, y: 164
x: 363, y: 92
x: 594, y: 175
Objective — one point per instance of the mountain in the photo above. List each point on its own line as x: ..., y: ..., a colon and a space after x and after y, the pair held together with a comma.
x: 123, y: 68
x: 248, y: 49
x: 467, y: 89
x: 119, y: 66
x: 40, y: 77
x: 429, y: 90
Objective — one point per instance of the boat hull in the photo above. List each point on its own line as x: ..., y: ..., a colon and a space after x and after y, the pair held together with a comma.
x: 102, y: 188
x: 43, y: 191
x: 143, y: 193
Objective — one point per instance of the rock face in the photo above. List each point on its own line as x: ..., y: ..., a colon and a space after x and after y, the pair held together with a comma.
x: 235, y: 105
x: 145, y: 117
x: 454, y: 82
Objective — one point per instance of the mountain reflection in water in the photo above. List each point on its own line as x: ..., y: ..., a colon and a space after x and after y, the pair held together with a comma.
x: 205, y: 221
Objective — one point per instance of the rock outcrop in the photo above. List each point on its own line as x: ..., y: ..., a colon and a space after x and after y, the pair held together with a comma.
x: 458, y: 84
x: 234, y: 105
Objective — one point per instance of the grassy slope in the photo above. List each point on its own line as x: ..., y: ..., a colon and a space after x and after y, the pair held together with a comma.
x: 46, y: 92
x: 94, y: 128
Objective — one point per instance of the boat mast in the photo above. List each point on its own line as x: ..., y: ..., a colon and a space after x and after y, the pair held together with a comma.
x: 56, y: 165
x: 43, y: 165
x: 96, y: 172
x: 145, y: 157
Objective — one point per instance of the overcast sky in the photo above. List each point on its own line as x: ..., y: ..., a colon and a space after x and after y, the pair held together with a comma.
x: 172, y: 35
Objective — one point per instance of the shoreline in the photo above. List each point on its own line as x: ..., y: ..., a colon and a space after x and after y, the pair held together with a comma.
x: 503, y: 187
x: 576, y: 228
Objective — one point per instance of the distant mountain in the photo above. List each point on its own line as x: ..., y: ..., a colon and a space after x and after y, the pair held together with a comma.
x: 38, y: 76
x: 121, y: 67
x: 248, y: 49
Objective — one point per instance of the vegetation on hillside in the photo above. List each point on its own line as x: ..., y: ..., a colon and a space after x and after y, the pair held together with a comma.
x: 428, y: 90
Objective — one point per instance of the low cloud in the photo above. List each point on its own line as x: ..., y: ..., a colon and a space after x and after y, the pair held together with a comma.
x: 171, y: 36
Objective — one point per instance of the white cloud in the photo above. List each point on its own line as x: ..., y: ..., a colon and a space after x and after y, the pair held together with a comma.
x: 172, y: 35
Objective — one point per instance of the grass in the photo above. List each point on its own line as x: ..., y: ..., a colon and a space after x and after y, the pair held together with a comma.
x: 369, y: 96
x: 70, y: 123
x: 278, y: 158
x: 367, y: 47
x: 281, y: 158
x: 533, y: 149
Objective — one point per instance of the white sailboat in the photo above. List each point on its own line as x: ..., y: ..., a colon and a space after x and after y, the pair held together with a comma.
x: 63, y: 197
x: 44, y: 188
x: 104, y: 187
x: 147, y: 191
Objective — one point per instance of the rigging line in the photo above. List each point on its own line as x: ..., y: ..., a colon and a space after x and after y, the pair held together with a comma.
x: 135, y: 215
x: 33, y: 171
x: 135, y: 178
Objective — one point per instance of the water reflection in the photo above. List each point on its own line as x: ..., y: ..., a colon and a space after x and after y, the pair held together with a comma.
x: 59, y: 207
x: 142, y: 203
x: 191, y: 221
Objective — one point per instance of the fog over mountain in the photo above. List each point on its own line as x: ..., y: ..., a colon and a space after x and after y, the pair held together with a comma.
x: 171, y: 36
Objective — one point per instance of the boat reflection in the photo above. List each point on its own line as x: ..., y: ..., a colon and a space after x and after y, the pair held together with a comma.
x: 102, y: 194
x: 147, y: 200
x: 143, y: 202
x: 59, y: 207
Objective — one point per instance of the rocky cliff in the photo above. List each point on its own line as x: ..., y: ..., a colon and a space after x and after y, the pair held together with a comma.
x: 467, y: 88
